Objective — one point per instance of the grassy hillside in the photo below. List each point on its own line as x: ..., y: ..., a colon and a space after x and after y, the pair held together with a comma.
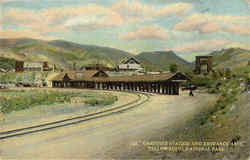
x: 231, y: 58
x: 7, y: 63
x: 61, y: 53
x: 113, y: 54
x: 64, y: 54
x: 162, y: 60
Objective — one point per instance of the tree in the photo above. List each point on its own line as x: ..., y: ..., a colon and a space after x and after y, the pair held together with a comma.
x: 173, y: 68
x: 228, y: 73
x: 215, y: 75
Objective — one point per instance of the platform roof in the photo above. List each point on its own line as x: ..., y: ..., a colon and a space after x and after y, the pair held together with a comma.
x: 89, y: 76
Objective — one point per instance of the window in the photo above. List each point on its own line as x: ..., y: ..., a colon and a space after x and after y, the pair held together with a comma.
x: 79, y: 74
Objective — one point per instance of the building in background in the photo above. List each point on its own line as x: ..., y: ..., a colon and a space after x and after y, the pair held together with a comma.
x: 19, y: 66
x: 31, y: 66
x: 97, y: 67
x: 130, y: 64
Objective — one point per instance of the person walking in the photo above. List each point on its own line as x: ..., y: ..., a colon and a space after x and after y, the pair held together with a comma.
x: 191, y: 93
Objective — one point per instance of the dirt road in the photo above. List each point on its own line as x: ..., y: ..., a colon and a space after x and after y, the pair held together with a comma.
x: 109, y: 137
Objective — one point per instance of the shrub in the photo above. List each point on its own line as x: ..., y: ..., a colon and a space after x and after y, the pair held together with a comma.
x: 18, y: 100
x: 173, y: 68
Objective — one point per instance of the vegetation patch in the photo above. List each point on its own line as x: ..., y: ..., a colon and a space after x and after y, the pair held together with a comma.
x: 7, y: 63
x: 15, y: 100
x: 225, y: 120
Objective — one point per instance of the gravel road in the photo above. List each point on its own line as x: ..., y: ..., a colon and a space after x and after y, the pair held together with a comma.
x: 110, y: 137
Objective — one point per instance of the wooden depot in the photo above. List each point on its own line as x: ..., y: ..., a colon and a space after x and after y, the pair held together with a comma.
x: 165, y: 83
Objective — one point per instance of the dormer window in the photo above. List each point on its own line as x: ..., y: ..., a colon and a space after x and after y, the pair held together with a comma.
x: 79, y: 74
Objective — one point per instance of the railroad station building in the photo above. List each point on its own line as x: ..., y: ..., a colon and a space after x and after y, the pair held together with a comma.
x: 165, y: 83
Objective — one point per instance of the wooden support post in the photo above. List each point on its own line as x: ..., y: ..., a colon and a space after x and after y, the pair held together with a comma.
x: 119, y: 86
x: 150, y: 87
x: 163, y: 88
x: 140, y: 86
x: 107, y: 87
x: 147, y: 87
x: 129, y: 86
x: 158, y: 87
x: 111, y: 85
x: 171, y: 89
x: 178, y: 89
x: 154, y: 87
x: 166, y: 88
x: 175, y: 89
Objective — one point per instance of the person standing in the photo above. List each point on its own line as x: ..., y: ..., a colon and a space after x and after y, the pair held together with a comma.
x: 191, y: 92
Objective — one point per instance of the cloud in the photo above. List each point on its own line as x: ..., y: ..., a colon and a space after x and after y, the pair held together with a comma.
x: 89, y: 17
x: 58, y: 19
x: 201, y: 46
x: 8, y: 33
x: 179, y: 9
x: 147, y: 32
x: 92, y: 17
x: 94, y: 22
x: 36, y: 21
x: 6, y: 1
x: 209, y: 23
x: 133, y: 10
x: 240, y: 29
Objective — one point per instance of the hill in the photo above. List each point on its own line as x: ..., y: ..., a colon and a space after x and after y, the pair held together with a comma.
x: 61, y: 53
x: 230, y: 58
x: 112, y: 53
x: 161, y: 60
x: 64, y: 54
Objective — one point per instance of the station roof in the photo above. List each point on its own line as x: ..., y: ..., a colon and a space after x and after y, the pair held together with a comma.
x: 103, y: 77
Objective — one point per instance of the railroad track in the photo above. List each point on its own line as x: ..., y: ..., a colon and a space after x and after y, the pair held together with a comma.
x: 142, y: 98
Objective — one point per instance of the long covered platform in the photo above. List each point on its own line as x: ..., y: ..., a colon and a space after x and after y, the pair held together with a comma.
x: 165, y: 83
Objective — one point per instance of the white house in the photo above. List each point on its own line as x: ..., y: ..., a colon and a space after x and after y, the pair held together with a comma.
x: 130, y: 64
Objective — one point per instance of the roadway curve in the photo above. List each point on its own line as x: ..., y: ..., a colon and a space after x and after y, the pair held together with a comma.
x: 108, y: 137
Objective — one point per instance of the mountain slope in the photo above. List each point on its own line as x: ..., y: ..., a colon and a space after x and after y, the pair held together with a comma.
x: 162, y: 60
x: 62, y: 53
x: 230, y: 58
x: 112, y: 53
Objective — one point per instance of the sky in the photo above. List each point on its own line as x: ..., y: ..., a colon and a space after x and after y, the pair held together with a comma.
x: 188, y: 27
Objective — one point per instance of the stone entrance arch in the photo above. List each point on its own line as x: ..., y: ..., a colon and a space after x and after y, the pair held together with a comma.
x: 201, y: 61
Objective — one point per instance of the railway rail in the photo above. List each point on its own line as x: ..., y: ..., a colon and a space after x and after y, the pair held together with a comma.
x: 142, y: 99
